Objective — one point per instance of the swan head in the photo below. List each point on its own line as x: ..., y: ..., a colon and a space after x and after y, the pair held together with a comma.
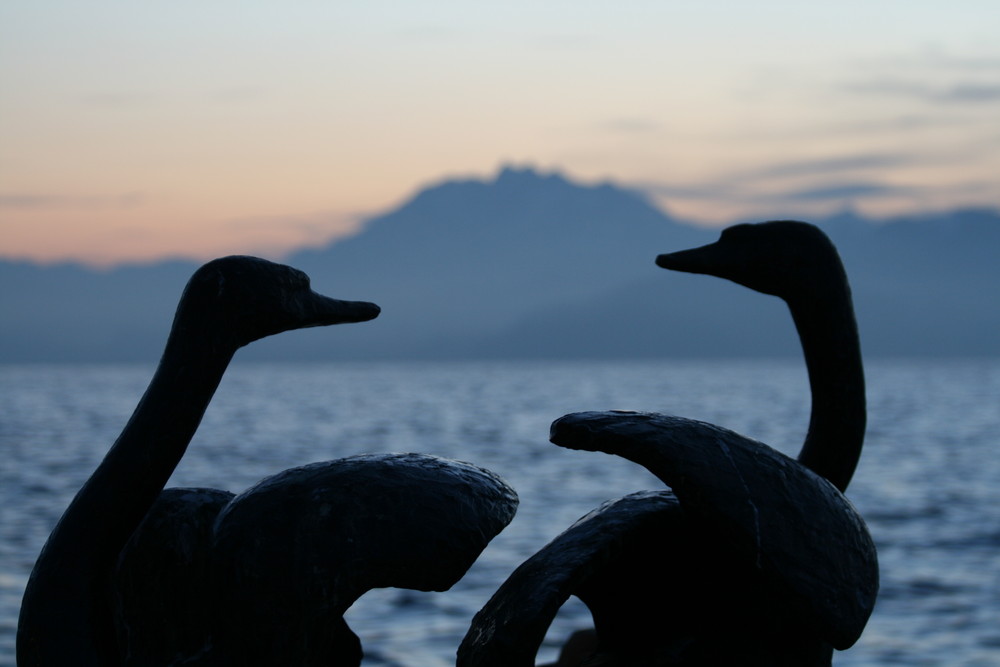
x: 784, y: 258
x: 245, y: 299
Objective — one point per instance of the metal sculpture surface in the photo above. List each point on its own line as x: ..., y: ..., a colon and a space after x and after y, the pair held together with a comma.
x: 753, y: 558
x: 135, y: 574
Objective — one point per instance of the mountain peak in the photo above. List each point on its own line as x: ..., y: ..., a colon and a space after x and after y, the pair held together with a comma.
x: 519, y: 176
x: 520, y: 192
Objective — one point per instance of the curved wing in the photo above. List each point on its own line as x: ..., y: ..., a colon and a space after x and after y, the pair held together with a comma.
x: 791, y: 524
x: 509, y: 629
x: 296, y: 550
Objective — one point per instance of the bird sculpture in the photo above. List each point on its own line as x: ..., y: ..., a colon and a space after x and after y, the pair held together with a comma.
x: 133, y: 574
x: 752, y: 558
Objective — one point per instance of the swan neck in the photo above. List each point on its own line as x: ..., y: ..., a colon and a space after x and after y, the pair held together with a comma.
x: 829, y: 335
x: 67, y: 608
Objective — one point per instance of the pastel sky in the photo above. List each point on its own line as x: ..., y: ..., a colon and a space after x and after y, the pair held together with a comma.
x: 137, y: 130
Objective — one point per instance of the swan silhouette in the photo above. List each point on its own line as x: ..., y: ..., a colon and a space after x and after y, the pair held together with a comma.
x: 134, y: 574
x: 752, y: 558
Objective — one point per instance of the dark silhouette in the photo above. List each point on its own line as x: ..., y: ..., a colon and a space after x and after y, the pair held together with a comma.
x: 754, y: 559
x: 797, y: 262
x: 133, y: 574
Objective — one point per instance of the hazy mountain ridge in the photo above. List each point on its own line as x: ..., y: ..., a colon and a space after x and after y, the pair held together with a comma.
x: 533, y: 265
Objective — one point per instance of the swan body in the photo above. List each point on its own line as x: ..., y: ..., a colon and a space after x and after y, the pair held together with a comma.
x: 133, y: 574
x: 782, y: 520
x: 752, y: 558
x: 288, y: 556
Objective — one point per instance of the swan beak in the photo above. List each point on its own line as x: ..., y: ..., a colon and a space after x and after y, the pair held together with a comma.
x: 321, y: 311
x: 696, y: 260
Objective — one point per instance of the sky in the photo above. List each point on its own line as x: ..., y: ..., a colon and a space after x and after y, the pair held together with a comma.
x: 137, y: 131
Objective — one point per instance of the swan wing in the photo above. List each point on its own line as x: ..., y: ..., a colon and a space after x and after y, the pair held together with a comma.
x: 297, y: 549
x: 792, y: 525
x: 509, y: 629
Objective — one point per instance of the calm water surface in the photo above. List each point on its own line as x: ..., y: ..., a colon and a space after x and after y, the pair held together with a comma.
x: 928, y: 483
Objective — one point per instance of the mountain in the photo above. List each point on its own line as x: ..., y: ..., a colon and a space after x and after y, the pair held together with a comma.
x: 465, y: 260
x: 533, y: 265
x: 70, y: 313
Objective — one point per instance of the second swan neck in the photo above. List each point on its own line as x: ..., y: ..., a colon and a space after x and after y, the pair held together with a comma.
x: 829, y: 335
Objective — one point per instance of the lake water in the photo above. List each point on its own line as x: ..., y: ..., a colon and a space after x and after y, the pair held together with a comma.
x: 928, y: 483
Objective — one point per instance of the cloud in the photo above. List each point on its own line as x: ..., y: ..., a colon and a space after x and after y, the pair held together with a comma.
x: 971, y: 92
x: 831, y: 165
x: 715, y: 189
x: 932, y: 75
x: 839, y: 192
x: 32, y: 201
x: 936, y: 58
x: 833, y: 177
x: 723, y: 200
x: 19, y: 200
x: 859, y: 189
x: 962, y: 92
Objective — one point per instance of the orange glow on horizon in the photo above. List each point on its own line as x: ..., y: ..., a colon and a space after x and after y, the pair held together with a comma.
x: 135, y: 133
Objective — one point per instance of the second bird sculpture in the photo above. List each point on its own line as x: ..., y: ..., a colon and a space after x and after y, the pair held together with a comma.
x: 752, y: 558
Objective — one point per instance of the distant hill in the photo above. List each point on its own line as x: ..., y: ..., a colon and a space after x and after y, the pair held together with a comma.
x: 533, y: 265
